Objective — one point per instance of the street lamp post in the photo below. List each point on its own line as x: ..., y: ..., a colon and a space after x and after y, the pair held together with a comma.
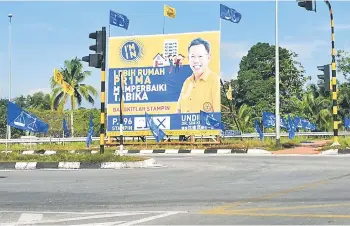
x: 277, y: 79
x: 9, y: 95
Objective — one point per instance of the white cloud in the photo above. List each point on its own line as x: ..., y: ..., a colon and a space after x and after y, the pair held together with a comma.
x: 305, y: 50
x: 44, y: 90
x: 337, y: 27
x: 235, y: 50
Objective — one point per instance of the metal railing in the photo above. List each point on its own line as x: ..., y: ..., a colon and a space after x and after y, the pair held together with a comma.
x: 83, y: 139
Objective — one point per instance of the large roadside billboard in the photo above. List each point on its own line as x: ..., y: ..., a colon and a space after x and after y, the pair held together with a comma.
x: 172, y: 77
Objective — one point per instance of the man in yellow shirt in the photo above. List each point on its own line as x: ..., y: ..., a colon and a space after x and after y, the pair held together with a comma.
x: 200, y: 91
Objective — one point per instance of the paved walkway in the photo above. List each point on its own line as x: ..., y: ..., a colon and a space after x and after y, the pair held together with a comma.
x: 304, y: 149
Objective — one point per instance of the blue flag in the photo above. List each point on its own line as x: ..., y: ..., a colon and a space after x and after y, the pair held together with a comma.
x: 291, y: 128
x: 347, y: 123
x: 284, y: 123
x: 156, y: 131
x: 90, y: 132
x: 23, y: 120
x: 297, y: 122
x: 258, y: 129
x: 268, y: 119
x: 229, y: 14
x: 118, y: 20
x: 307, y: 125
x: 209, y: 121
x: 65, y: 128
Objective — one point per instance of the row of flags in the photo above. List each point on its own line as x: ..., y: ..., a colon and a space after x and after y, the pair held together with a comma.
x: 23, y: 120
x: 122, y: 21
x: 269, y: 120
x: 291, y: 125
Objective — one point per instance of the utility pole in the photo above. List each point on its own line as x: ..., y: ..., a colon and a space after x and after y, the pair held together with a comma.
x: 10, y: 74
x: 277, y: 80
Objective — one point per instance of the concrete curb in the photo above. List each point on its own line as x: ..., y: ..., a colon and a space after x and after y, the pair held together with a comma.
x: 77, y: 165
x: 156, y: 151
x: 49, y: 152
x: 336, y: 152
x: 254, y: 151
x: 196, y: 151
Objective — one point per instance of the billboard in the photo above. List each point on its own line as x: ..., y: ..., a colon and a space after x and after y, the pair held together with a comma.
x: 171, y: 77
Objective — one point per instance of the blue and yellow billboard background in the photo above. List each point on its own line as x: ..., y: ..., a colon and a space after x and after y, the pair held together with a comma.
x: 154, y: 69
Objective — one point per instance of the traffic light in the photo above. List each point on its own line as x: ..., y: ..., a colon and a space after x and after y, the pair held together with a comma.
x: 97, y: 59
x: 325, y: 79
x: 307, y: 4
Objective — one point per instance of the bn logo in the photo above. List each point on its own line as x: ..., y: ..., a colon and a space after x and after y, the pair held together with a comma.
x: 131, y: 51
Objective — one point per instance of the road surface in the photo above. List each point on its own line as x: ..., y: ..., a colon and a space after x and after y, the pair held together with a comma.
x: 188, y: 190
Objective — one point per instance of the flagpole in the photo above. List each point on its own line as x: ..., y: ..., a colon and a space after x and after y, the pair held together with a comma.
x: 163, y: 18
x: 121, y: 113
x: 109, y: 30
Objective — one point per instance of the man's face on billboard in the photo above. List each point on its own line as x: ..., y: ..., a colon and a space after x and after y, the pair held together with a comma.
x: 198, y: 59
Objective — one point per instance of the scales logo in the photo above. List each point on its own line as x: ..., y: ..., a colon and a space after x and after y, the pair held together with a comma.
x: 21, y: 121
x: 131, y: 51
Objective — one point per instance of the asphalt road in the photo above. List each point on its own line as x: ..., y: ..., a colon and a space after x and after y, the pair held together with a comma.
x: 192, y: 190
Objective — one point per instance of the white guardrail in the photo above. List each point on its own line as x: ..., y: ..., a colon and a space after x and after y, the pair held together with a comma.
x: 31, y: 139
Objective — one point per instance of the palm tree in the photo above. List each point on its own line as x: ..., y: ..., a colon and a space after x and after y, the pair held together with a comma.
x: 314, y: 109
x: 74, y: 75
x: 244, y: 117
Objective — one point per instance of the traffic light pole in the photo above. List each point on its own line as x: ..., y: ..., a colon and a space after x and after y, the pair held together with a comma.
x: 103, y: 95
x: 334, y: 82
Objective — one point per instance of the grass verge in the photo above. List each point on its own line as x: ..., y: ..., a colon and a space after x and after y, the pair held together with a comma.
x: 68, y: 157
x: 269, y: 144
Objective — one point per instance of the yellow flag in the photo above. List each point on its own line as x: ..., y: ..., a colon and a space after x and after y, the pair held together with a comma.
x: 169, y: 11
x: 229, y: 93
x: 68, y: 88
x: 57, y: 76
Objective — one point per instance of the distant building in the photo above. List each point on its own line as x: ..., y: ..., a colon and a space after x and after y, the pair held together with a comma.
x: 170, y: 47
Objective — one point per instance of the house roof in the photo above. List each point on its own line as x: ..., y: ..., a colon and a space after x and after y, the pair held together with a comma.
x: 158, y: 54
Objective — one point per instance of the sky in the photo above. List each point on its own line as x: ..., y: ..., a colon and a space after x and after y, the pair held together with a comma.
x: 45, y: 34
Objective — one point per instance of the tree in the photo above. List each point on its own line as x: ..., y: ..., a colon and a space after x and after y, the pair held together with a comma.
x: 256, y: 79
x: 74, y: 75
x: 38, y: 100
x: 344, y: 100
x: 343, y: 61
x: 316, y: 110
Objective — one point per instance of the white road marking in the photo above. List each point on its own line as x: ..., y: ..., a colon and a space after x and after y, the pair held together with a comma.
x: 102, y: 212
x: 100, y: 224
x: 150, y: 218
x: 26, y: 218
x: 77, y: 218
x: 30, y: 217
